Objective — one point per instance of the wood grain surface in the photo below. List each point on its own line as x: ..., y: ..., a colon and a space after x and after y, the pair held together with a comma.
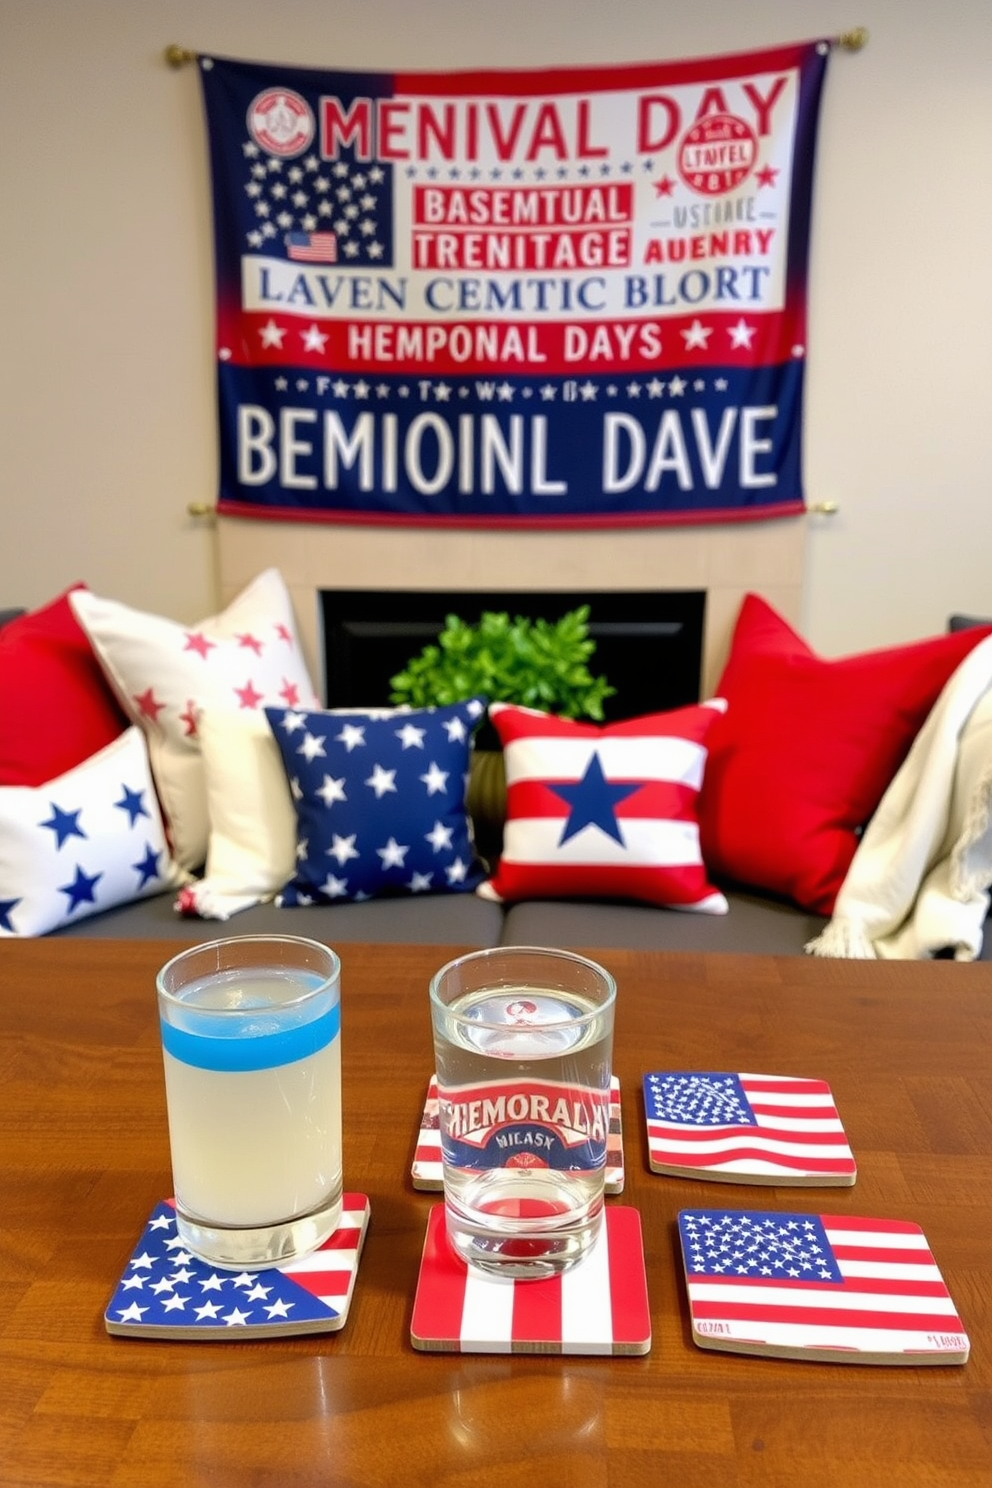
x: 906, y: 1048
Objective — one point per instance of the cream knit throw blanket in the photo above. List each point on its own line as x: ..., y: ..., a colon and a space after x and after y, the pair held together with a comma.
x: 920, y: 878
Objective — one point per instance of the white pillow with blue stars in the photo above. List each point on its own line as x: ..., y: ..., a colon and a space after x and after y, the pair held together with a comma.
x: 83, y: 842
x: 380, y: 802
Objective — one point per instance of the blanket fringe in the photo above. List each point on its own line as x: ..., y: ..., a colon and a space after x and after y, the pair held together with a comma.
x: 842, y: 938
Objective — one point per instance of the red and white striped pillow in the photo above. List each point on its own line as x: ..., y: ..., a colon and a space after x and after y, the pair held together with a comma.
x: 604, y: 812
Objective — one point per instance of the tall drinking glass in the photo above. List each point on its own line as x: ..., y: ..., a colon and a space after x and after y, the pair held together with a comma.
x: 523, y: 1041
x: 252, y: 1050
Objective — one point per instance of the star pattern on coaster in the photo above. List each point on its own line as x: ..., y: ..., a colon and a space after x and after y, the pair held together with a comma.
x: 167, y: 1292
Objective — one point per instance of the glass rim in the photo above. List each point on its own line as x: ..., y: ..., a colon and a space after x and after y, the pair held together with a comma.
x: 276, y: 939
x: 551, y: 952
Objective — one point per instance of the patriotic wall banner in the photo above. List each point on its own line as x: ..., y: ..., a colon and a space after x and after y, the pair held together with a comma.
x: 570, y: 297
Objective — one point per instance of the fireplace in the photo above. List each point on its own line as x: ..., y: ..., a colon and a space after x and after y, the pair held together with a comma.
x: 648, y: 643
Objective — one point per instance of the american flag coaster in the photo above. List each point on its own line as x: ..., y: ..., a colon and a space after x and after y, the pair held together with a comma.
x: 426, y: 1171
x: 168, y: 1293
x: 600, y: 1306
x: 776, y: 1129
x: 828, y: 1287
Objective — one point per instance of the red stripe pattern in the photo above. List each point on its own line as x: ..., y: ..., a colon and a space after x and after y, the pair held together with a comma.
x: 746, y: 1128
x: 599, y: 1307
x: 604, y: 812
x: 829, y: 1286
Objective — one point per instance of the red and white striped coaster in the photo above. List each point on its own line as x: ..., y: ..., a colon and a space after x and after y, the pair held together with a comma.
x: 600, y: 1306
x: 426, y: 1171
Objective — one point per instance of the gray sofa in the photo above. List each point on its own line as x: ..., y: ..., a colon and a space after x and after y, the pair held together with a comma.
x: 754, y: 923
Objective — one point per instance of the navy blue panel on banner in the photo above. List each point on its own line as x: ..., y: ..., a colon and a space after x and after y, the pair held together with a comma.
x: 573, y: 297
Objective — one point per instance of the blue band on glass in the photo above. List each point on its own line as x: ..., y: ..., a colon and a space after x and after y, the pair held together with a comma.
x: 266, y: 1051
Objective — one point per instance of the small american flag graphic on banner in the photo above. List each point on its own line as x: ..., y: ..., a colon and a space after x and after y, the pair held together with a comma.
x: 819, y: 1286
x: 746, y: 1128
x: 600, y: 1306
x: 318, y: 247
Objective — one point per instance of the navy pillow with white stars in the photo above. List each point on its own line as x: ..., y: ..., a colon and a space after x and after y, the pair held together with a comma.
x: 380, y: 802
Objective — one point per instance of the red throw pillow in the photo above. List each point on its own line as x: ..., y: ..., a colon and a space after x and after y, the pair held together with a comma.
x: 604, y: 812
x: 56, y: 706
x: 807, y: 749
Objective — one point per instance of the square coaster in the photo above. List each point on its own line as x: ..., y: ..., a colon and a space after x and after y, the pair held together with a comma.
x: 426, y: 1170
x: 600, y: 1306
x: 168, y: 1293
x: 777, y: 1129
x: 830, y: 1287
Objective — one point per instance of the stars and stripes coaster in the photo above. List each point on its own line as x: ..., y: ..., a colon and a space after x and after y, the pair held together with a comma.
x: 600, y: 1306
x: 426, y: 1170
x: 746, y: 1129
x: 166, y: 1292
x: 831, y: 1287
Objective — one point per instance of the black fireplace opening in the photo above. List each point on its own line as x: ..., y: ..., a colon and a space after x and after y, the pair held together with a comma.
x: 648, y: 642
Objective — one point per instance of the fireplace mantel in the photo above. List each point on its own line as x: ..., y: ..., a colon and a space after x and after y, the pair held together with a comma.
x: 724, y: 560
x: 648, y: 642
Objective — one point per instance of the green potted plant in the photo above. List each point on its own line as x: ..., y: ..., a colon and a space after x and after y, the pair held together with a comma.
x: 535, y: 663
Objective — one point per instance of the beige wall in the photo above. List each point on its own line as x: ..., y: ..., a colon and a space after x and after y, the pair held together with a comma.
x: 106, y: 414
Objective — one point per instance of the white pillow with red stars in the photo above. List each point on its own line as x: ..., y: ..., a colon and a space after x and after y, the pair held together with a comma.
x: 165, y: 674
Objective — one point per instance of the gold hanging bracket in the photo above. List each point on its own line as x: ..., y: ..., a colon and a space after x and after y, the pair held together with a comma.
x: 200, y: 509
x: 825, y: 508
x: 178, y: 56
x: 852, y: 41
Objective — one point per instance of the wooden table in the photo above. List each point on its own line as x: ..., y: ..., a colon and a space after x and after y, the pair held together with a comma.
x: 906, y: 1048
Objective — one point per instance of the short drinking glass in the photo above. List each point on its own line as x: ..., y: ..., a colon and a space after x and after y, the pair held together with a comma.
x: 252, y: 1050
x: 523, y: 1041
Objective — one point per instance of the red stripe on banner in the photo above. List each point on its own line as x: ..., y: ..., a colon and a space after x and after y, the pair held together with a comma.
x: 355, y: 517
x: 628, y: 1284
x: 536, y: 1311
x: 518, y: 344
x: 524, y: 83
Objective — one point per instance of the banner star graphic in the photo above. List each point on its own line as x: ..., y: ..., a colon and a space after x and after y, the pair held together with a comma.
x: 593, y: 801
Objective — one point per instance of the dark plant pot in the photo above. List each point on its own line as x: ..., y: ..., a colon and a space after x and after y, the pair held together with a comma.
x: 486, y: 801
